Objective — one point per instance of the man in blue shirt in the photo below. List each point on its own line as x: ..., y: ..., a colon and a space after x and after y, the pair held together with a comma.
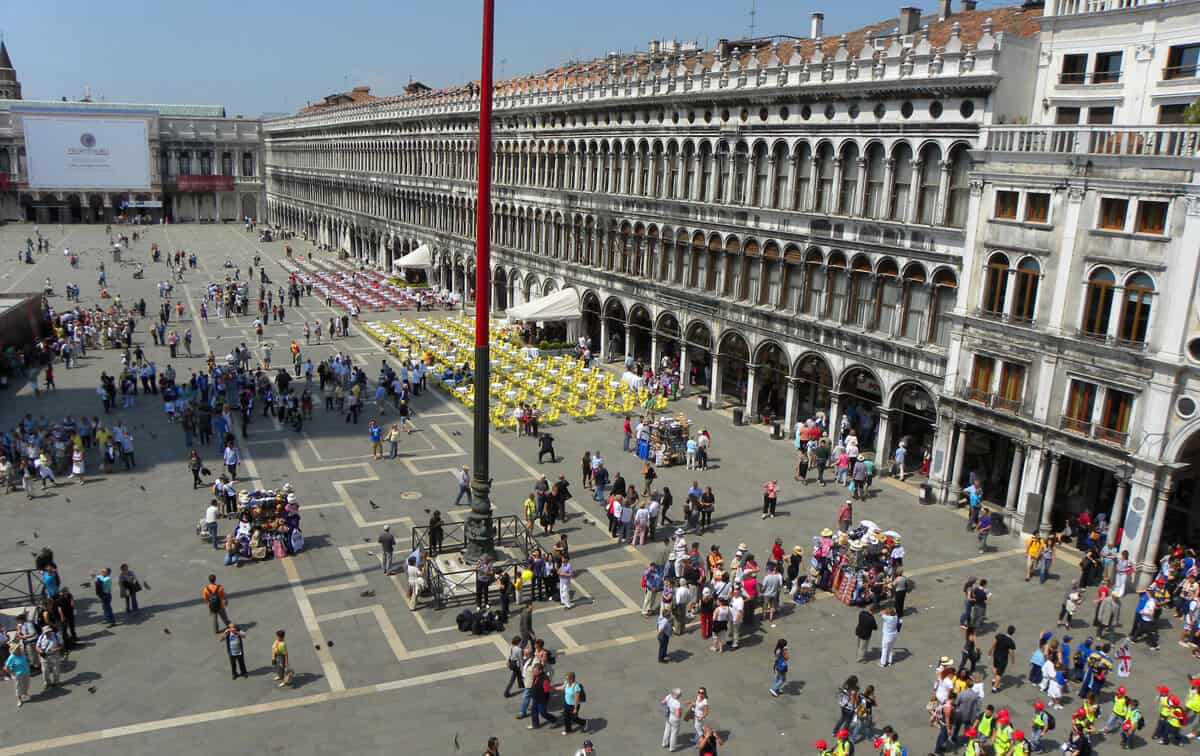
x: 104, y: 593
x: 375, y: 431
x: 50, y: 581
x: 974, y: 494
x: 17, y: 665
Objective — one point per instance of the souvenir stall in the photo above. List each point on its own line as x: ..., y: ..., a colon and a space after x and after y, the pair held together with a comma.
x: 857, y: 566
x: 668, y: 440
x: 267, y: 526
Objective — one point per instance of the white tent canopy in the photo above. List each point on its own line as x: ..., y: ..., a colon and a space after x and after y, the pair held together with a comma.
x: 421, y: 257
x: 559, y: 305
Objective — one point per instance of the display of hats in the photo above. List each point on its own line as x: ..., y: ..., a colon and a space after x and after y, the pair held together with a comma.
x: 856, y: 545
x: 868, y: 525
x: 945, y: 661
x: 872, y: 540
x: 742, y: 547
x: 798, y: 551
x: 827, y: 533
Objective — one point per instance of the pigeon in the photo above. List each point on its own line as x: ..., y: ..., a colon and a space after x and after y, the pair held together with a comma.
x: 68, y: 499
x: 317, y: 646
x: 91, y: 689
x: 20, y: 543
x: 367, y: 594
x: 35, y: 534
x: 456, y: 748
x: 366, y: 540
x: 166, y: 631
x: 373, y: 504
x: 321, y: 515
x: 142, y: 487
x: 456, y: 433
x: 329, y: 643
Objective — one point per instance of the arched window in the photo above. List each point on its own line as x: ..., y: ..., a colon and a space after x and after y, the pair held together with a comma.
x: 873, y: 202
x: 930, y: 175
x: 862, y: 292
x: 603, y: 169
x: 1135, y: 308
x: 782, y: 171
x: 689, y: 172
x: 793, y: 280
x: 1097, y: 306
x: 722, y: 169
x: 741, y: 157
x: 887, y: 295
x: 996, y: 286
x: 914, y: 302
x: 671, y: 186
x: 902, y: 172
x: 659, y: 173
x: 762, y: 170
x: 814, y: 282
x: 848, y: 192
x: 837, y: 288
x: 644, y: 169
x: 960, y: 188
x: 803, y: 167
x: 944, y: 286
x: 824, y: 184
x: 773, y: 265
x: 1024, y: 309
x: 706, y: 173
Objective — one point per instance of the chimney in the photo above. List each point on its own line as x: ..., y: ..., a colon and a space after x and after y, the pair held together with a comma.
x: 943, y: 10
x: 818, y: 26
x: 655, y: 46
x: 722, y: 49
x: 968, y: 5
x: 910, y: 20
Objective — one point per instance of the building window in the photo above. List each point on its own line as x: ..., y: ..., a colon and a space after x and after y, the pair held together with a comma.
x: 1182, y: 61
x: 1135, y: 308
x: 960, y: 188
x: 996, y: 287
x: 902, y: 174
x: 185, y: 164
x: 1097, y: 305
x: 1100, y: 116
x: 226, y: 163
x: 848, y: 191
x: 930, y: 176
x: 1006, y: 204
x: 1012, y: 387
x: 1172, y: 115
x: 1074, y: 69
x: 1114, y: 420
x: 1066, y: 116
x: 1107, y: 68
x: 814, y: 284
x: 873, y: 202
x: 1037, y: 207
x: 1025, y: 304
x: 1081, y: 400
x: 1112, y: 213
x: 824, y: 183
x: 1151, y: 217
x: 981, y: 379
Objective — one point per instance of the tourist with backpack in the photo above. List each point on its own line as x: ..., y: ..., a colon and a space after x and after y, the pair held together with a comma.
x: 214, y: 598
x: 652, y: 583
x: 573, y: 695
x: 780, y: 666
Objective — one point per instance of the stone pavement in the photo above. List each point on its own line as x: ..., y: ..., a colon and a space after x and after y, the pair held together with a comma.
x: 372, y: 670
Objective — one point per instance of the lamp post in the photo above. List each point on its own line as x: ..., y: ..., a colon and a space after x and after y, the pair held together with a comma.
x: 481, y: 535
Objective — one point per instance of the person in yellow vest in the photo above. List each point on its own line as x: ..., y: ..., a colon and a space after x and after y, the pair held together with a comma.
x: 843, y: 746
x: 888, y: 742
x: 1002, y: 742
x: 1176, y: 716
x: 1033, y: 552
x: 1164, y: 707
x: 1120, y: 707
x: 1132, y: 723
x: 986, y: 724
x: 1019, y: 746
x: 1193, y: 705
x: 822, y: 748
x: 1041, y: 723
x: 974, y: 742
x: 1090, y: 710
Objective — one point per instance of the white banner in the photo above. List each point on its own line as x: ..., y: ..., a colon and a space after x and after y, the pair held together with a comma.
x: 80, y: 152
x: 142, y: 203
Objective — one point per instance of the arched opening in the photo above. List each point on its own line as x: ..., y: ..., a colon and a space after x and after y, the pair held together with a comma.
x: 770, y: 382
x: 667, y: 335
x: 249, y: 206
x: 95, y: 212
x: 500, y: 290
x: 640, y: 334
x: 74, y: 209
x: 614, y: 324
x: 911, y: 419
x: 698, y: 350
x: 861, y: 396
x: 814, y: 382
x: 590, y: 306
x: 732, y: 371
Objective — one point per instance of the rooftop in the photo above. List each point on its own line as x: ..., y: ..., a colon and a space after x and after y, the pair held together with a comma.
x: 182, y: 111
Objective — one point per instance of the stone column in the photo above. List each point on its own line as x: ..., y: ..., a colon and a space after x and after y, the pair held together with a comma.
x: 772, y: 175
x: 810, y: 191
x: 939, y: 212
x: 714, y: 388
x: 1014, y: 485
x: 1148, y: 566
x: 603, y: 338
x: 834, y: 417
x: 960, y: 448
x: 683, y: 367
x: 789, y: 411
x: 793, y: 170
x: 730, y: 177
x: 882, y: 429
x: 835, y: 192
x: 1048, y: 499
x: 860, y: 189
x: 1118, y: 510
x: 751, y: 390
x: 654, y: 350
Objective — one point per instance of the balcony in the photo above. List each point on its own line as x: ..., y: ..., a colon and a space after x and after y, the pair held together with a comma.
x: 1171, y: 73
x: 1073, y: 425
x: 1108, y: 435
x: 977, y: 395
x: 1122, y: 141
x: 1082, y: 7
x: 1080, y: 78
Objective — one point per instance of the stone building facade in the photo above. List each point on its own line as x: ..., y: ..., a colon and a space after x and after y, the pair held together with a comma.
x: 786, y: 215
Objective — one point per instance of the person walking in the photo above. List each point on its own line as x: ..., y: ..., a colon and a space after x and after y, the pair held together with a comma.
x: 387, y: 549
x: 664, y: 634
x: 129, y: 587
x: 231, y: 458
x: 50, y: 653
x: 525, y: 623
x: 517, y: 653
x: 280, y: 660
x: 375, y: 433
x: 565, y: 573
x: 211, y: 514
x: 573, y: 696
x: 891, y: 630
x: 214, y: 598
x: 103, y: 585
x: 900, y: 588
x: 673, y: 713
x: 847, y: 698
x: 234, y: 638
x: 866, y: 626
x: 464, y: 485
x: 780, y: 666
x: 1004, y: 651
x: 697, y: 708
x: 17, y: 668
x: 770, y: 498
x: 195, y: 464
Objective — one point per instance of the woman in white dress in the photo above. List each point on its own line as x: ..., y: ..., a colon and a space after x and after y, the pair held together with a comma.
x: 77, y: 464
x: 1124, y: 571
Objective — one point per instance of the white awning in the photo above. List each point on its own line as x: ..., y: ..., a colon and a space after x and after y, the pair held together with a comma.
x: 421, y: 257
x: 559, y: 305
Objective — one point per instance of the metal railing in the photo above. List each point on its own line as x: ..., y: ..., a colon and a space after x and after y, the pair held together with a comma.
x: 1129, y: 141
x: 19, y: 588
x: 1089, y: 77
x: 448, y: 586
x: 1080, y: 7
x: 1074, y: 425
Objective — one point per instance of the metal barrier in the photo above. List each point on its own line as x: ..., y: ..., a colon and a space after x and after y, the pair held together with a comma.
x: 17, y: 588
x: 448, y: 586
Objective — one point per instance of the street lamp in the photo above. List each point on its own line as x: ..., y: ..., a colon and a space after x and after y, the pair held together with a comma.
x: 480, y: 534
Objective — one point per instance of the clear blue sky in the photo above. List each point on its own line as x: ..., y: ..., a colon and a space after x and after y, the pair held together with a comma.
x: 256, y: 56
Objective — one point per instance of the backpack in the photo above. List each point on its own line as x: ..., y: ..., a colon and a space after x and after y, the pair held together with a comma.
x: 1050, y: 722
x: 781, y: 664
x: 551, y: 657
x: 99, y: 586
x: 582, y: 697
x: 654, y: 580
x: 464, y: 620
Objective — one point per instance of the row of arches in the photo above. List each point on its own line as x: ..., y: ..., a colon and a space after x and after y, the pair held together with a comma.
x: 908, y: 181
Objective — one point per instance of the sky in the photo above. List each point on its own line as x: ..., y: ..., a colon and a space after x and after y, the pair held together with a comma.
x: 270, y: 56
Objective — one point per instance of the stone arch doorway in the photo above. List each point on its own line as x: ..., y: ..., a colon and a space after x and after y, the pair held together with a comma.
x: 912, y: 418
x: 859, y: 398
x: 697, y: 354
x: 732, y: 368
x: 614, y: 325
x: 666, y: 337
x: 74, y: 209
x: 640, y: 334
x: 590, y: 306
x: 499, y: 290
x: 814, y: 383
x: 249, y: 207
x: 770, y: 382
